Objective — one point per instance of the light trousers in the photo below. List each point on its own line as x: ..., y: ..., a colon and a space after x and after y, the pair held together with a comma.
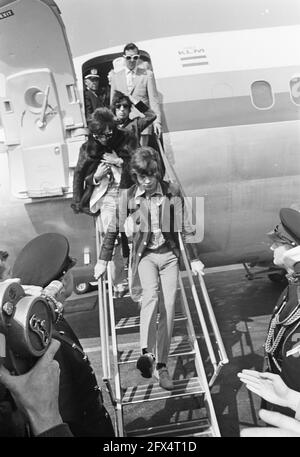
x: 153, y: 268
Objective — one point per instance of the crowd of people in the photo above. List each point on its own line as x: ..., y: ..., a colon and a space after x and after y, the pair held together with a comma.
x: 119, y: 180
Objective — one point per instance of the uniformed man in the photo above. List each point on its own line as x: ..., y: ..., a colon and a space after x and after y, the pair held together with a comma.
x: 282, y: 346
x: 92, y: 97
x: 43, y: 260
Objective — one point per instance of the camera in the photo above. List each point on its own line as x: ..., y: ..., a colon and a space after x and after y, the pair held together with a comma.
x: 26, y: 324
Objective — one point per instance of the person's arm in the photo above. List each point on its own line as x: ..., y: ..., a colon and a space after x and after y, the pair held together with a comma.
x: 271, y: 388
x: 36, y: 392
x: 149, y: 115
x: 88, y: 105
x: 282, y: 426
x: 183, y: 225
x: 154, y: 101
x: 112, y: 85
x: 78, y: 178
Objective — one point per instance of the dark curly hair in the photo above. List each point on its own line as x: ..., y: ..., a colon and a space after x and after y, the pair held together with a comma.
x: 118, y: 98
x: 100, y: 119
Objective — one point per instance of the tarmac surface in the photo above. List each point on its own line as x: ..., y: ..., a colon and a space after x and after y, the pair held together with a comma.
x: 242, y: 309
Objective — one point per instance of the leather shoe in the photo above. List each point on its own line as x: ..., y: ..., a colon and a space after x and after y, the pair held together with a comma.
x: 145, y: 364
x: 165, y: 380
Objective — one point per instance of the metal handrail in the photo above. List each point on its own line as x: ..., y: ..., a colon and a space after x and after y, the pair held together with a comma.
x: 103, y: 324
x: 218, y: 339
x: 104, y: 320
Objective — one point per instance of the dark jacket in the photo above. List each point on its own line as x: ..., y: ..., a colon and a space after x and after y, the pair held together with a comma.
x: 138, y: 124
x: 62, y: 430
x: 172, y: 219
x: 92, y: 101
x: 288, y: 363
x: 90, y: 156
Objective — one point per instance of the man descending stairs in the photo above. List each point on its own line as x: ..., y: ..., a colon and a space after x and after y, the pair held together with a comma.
x: 151, y: 206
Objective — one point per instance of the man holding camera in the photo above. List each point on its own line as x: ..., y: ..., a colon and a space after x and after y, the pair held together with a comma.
x: 64, y: 369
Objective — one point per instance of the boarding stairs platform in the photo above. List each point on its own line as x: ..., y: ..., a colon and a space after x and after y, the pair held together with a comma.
x: 142, y: 407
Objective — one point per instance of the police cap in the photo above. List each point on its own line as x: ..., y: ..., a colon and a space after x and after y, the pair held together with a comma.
x: 93, y: 73
x: 43, y: 259
x: 290, y: 219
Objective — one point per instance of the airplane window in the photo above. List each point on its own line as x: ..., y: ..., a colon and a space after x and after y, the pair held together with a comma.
x: 295, y: 90
x: 262, y: 95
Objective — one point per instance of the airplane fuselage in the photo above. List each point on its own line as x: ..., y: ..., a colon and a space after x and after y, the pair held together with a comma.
x: 231, y: 126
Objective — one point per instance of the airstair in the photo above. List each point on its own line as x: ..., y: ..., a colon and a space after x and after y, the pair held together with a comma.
x: 187, y: 410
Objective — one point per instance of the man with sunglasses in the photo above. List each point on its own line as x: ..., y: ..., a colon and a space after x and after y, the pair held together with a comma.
x: 106, y: 150
x: 121, y: 106
x: 43, y: 260
x: 282, y: 345
x: 138, y: 82
x: 102, y: 169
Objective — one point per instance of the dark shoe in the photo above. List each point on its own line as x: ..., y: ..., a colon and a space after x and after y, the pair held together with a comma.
x: 146, y: 364
x: 165, y: 380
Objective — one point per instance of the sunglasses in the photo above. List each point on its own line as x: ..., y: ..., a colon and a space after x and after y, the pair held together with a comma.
x: 119, y: 105
x: 102, y: 135
x: 135, y: 57
x: 277, y: 237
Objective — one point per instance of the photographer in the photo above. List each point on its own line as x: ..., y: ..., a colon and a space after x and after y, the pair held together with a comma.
x: 43, y: 260
x: 36, y: 394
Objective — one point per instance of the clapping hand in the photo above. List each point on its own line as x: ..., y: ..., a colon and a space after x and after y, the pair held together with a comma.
x: 268, y: 386
x: 282, y: 426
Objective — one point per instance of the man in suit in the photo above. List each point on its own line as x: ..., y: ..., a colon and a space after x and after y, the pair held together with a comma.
x: 138, y: 82
x: 92, y: 98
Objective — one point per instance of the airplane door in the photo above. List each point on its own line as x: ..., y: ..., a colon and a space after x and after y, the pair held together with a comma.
x: 39, y: 104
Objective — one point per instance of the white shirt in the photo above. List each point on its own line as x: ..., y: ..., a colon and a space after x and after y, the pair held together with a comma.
x: 157, y: 239
x: 130, y: 76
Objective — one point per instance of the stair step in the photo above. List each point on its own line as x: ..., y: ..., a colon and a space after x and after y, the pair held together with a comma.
x: 196, y: 427
x: 128, y: 322
x: 177, y: 348
x: 151, y: 392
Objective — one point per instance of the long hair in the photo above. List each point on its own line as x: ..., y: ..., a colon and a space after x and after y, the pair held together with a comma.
x: 118, y: 98
x: 100, y: 119
x: 146, y: 161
